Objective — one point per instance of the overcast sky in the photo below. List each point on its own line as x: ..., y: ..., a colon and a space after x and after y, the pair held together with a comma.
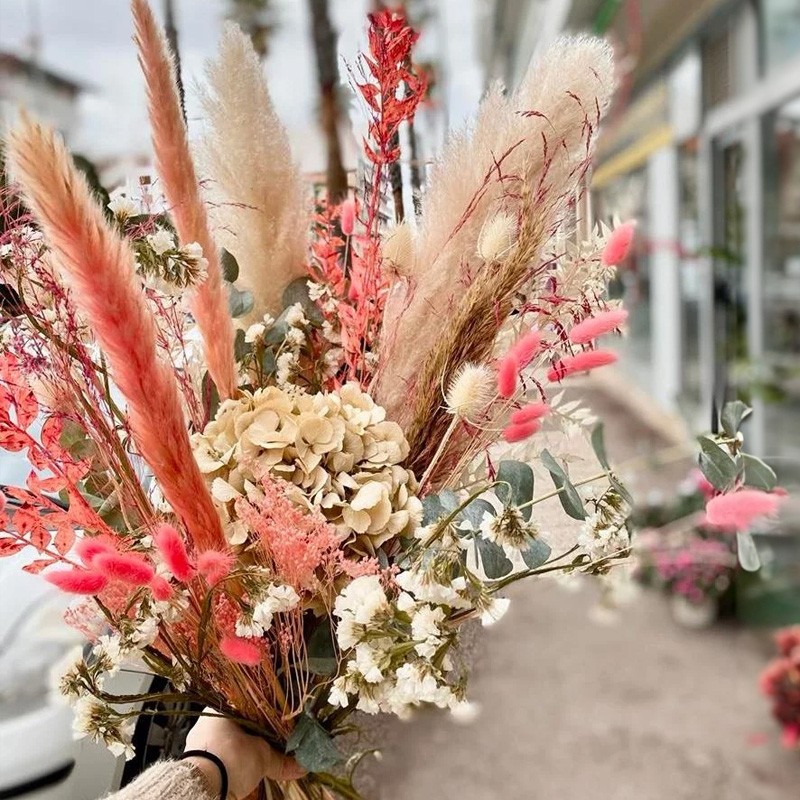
x: 90, y: 41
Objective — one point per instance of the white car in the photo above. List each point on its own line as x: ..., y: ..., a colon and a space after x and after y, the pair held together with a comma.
x: 39, y: 759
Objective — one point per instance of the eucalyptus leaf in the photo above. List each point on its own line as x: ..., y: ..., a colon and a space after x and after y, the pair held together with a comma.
x: 475, y: 512
x: 716, y: 464
x: 240, y: 347
x: 297, y: 292
x: 758, y: 474
x: 599, y: 446
x: 733, y: 414
x: 230, y: 266
x: 515, y: 485
x: 436, y: 506
x: 321, y: 652
x: 748, y: 555
x: 313, y: 746
x: 537, y: 554
x: 493, y: 559
x: 240, y: 303
x: 269, y: 364
x: 568, y: 494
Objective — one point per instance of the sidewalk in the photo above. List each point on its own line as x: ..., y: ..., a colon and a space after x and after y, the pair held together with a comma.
x: 574, y: 710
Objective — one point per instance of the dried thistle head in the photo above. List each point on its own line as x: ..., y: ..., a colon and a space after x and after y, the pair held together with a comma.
x: 470, y: 391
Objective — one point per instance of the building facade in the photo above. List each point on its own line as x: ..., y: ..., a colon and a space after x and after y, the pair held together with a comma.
x: 703, y: 148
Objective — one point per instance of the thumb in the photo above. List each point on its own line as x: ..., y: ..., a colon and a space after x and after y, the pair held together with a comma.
x: 280, y: 767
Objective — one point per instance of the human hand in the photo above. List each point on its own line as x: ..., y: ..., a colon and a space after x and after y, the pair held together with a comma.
x: 248, y: 759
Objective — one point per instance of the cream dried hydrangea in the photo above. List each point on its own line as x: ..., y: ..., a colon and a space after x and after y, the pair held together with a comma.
x: 337, y: 451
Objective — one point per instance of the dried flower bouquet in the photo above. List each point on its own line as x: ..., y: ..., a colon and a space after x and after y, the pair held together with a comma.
x: 271, y: 473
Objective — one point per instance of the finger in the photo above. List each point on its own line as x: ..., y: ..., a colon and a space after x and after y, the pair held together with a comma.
x: 280, y: 767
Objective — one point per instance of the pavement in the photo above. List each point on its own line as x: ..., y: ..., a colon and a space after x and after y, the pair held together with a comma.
x: 576, y: 710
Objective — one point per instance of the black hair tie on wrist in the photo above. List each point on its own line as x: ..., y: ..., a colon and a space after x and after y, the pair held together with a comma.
x: 217, y: 761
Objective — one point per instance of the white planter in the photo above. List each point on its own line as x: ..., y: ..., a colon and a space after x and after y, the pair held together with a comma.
x: 693, y: 615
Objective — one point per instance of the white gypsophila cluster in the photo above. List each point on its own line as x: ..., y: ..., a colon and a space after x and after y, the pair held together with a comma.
x: 604, y: 533
x: 124, y: 204
x: 336, y: 451
x: 509, y: 529
x: 102, y: 724
x: 288, y: 360
x: 391, y: 668
x: 276, y: 599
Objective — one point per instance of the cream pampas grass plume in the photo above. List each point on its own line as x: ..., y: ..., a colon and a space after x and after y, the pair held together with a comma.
x: 99, y: 266
x: 256, y: 191
x: 539, y: 140
x: 209, y: 302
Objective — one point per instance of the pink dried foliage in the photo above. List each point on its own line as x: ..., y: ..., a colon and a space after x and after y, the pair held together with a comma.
x: 172, y: 548
x: 737, y: 511
x: 581, y: 362
x: 597, y: 325
x: 619, y: 243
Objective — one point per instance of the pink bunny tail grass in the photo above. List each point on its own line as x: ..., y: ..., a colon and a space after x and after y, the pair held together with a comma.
x: 209, y: 303
x: 240, y: 650
x: 347, y: 216
x: 88, y: 548
x: 602, y: 323
x: 529, y: 413
x: 125, y: 567
x: 737, y: 511
x: 76, y: 581
x: 214, y: 565
x: 619, y: 243
x: 521, y: 431
x: 507, y: 374
x: 170, y: 544
x: 99, y: 266
x: 581, y: 362
x: 526, y: 347
x: 161, y: 588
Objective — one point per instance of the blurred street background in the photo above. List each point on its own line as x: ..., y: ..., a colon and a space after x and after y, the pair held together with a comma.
x: 702, y: 148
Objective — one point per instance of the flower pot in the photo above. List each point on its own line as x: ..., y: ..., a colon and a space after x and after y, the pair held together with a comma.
x: 694, y: 615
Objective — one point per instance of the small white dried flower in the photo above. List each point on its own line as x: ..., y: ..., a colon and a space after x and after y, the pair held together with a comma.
x: 497, y: 236
x: 295, y: 317
x: 161, y: 241
x: 254, y: 332
x: 470, y: 391
x: 122, y: 206
x: 398, y: 248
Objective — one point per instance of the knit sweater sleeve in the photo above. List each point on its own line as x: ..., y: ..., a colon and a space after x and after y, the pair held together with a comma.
x: 167, y: 780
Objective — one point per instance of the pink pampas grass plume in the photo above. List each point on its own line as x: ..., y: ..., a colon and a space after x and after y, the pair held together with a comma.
x: 526, y: 347
x: 170, y: 544
x: 507, y: 377
x: 209, y: 302
x: 520, y: 431
x: 100, y: 268
x: 76, y: 581
x: 618, y: 244
x: 347, y: 216
x: 604, y: 322
x: 737, y: 511
x: 529, y: 413
x: 581, y: 362
x: 214, y: 565
x: 125, y: 567
x: 89, y: 547
x: 240, y: 650
x: 161, y: 588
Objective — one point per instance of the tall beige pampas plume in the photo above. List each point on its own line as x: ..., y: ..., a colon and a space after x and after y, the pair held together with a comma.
x: 209, y: 302
x: 525, y: 158
x: 540, y: 138
x: 255, y: 188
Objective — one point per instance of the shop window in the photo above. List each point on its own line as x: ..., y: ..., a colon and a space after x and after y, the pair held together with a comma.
x: 779, y: 22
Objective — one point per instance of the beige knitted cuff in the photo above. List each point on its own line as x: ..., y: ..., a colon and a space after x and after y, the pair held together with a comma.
x: 167, y: 780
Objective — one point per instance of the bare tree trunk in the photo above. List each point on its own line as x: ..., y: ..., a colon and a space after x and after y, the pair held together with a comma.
x: 172, y: 39
x: 324, y: 38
